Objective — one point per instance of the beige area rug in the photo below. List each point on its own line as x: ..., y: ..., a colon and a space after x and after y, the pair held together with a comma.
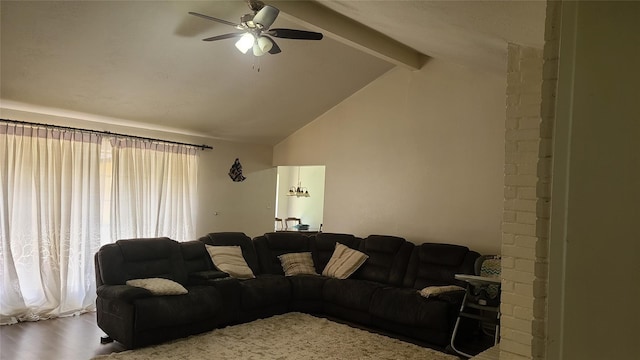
x: 292, y: 336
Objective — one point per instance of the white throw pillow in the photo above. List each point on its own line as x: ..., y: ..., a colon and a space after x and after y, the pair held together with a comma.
x: 229, y: 259
x: 297, y: 264
x: 437, y: 290
x: 159, y: 286
x: 344, y: 262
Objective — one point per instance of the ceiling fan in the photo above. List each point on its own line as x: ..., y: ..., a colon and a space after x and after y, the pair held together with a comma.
x: 256, y: 30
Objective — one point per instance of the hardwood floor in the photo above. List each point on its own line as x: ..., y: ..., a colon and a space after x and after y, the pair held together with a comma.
x: 78, y: 338
x: 70, y: 338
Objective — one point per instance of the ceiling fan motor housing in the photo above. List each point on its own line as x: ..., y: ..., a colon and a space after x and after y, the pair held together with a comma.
x: 255, y: 5
x: 247, y: 20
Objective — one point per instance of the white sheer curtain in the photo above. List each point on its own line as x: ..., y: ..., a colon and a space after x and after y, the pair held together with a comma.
x: 63, y: 194
x: 160, y: 203
x: 49, y: 221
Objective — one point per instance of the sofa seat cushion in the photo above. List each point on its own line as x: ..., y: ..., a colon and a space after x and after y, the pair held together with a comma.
x: 200, y: 303
x: 350, y: 293
x: 408, y: 307
x: 264, y: 291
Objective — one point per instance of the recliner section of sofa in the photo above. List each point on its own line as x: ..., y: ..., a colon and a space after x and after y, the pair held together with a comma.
x: 134, y: 316
x: 305, y: 290
x: 266, y: 295
x: 382, y: 293
x: 436, y: 264
x: 350, y: 299
x: 325, y: 244
x: 403, y: 310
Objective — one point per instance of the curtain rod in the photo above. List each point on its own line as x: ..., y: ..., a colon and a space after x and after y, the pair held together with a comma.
x: 202, y: 147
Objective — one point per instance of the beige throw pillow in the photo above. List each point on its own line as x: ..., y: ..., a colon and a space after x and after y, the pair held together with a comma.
x: 297, y: 264
x: 344, y: 262
x: 437, y: 290
x: 229, y: 259
x: 159, y: 286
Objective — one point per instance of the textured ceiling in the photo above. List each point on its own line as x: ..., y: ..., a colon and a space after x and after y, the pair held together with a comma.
x: 144, y: 60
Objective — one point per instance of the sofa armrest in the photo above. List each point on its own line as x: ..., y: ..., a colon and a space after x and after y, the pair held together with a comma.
x: 452, y: 297
x: 208, y: 274
x: 122, y: 292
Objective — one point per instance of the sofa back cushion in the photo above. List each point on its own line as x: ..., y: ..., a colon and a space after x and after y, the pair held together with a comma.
x: 271, y: 245
x: 235, y: 239
x: 141, y: 258
x: 325, y: 243
x: 196, y: 258
x: 388, y: 259
x: 436, y: 265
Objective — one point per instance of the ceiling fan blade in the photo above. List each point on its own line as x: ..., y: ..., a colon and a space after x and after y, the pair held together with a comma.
x: 215, y: 19
x: 266, y: 16
x: 275, y: 49
x: 295, y: 34
x: 223, y: 36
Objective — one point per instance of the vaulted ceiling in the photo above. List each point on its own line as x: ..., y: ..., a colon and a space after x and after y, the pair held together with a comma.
x: 144, y: 61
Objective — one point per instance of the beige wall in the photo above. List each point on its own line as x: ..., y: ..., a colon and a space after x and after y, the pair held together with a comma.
x: 594, y: 268
x: 247, y: 206
x: 416, y: 154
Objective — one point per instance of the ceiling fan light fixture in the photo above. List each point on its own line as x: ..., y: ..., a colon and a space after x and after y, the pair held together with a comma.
x: 255, y: 30
x: 256, y: 50
x: 245, y: 43
x: 265, y: 44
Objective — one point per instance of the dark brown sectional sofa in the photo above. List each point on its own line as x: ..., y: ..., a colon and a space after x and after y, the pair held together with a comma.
x: 382, y: 294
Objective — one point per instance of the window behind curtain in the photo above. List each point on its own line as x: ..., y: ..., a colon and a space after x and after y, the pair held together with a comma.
x: 65, y: 193
x: 153, y: 190
x: 49, y: 223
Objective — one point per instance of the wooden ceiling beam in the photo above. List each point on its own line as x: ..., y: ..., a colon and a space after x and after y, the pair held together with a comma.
x: 341, y: 28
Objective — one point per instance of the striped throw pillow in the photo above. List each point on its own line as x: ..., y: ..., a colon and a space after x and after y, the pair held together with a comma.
x: 230, y: 260
x: 344, y: 262
x: 297, y: 264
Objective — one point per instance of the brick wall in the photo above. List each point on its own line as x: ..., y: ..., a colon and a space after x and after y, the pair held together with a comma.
x: 531, y: 92
x: 522, y: 208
